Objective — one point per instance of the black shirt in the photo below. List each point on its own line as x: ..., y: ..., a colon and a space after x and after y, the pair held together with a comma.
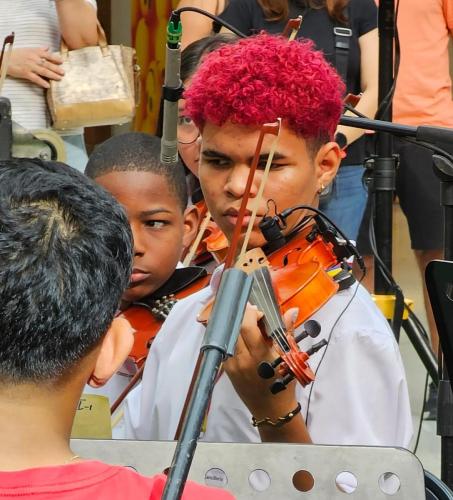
x: 248, y: 17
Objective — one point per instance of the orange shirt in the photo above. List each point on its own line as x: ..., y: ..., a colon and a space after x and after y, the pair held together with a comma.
x: 423, y: 90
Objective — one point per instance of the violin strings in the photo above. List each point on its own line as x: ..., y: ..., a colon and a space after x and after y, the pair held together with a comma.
x: 280, y: 330
x: 259, y: 297
x: 265, y: 298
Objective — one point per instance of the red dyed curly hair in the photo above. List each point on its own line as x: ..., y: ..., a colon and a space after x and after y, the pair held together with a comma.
x: 265, y: 77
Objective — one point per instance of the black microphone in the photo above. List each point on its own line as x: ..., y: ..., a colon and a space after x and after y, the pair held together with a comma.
x: 172, y: 92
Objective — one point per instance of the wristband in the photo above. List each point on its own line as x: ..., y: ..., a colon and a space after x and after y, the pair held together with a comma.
x: 280, y: 420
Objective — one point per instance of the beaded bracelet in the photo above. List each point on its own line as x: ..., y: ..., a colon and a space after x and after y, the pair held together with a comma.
x: 280, y: 421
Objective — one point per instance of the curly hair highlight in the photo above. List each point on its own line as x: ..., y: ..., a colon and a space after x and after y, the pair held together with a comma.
x: 265, y: 77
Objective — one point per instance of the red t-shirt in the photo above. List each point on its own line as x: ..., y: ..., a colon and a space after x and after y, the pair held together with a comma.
x: 94, y: 480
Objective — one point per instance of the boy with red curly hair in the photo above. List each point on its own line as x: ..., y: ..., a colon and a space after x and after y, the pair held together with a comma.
x: 360, y: 393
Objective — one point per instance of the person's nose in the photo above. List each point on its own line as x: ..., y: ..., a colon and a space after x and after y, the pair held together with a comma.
x: 139, y: 244
x: 237, y: 181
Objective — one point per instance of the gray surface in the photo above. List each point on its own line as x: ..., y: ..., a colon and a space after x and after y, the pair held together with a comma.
x: 280, y: 461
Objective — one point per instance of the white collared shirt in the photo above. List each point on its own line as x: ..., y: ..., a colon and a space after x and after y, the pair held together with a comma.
x: 359, y: 397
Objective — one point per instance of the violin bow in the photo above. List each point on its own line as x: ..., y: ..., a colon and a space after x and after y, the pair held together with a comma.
x: 5, y: 56
x: 292, y: 28
x: 267, y: 128
x: 196, y: 242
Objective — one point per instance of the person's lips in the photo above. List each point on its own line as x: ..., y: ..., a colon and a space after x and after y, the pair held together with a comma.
x: 232, y: 216
x: 138, y: 275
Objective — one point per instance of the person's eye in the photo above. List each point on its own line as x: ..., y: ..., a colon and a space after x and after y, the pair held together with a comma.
x: 184, y: 121
x: 156, y: 224
x: 274, y: 166
x: 217, y: 162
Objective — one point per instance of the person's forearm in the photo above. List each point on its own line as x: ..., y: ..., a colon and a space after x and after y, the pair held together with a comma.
x: 292, y: 432
x: 366, y: 106
x: 77, y: 20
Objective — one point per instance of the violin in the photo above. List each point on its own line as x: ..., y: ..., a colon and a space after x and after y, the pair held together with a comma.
x: 146, y: 317
x: 210, y: 241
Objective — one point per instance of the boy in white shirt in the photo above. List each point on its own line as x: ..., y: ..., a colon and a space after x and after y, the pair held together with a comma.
x: 360, y: 394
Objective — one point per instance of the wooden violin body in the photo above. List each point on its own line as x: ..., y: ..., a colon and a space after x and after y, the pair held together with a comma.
x: 147, y: 317
x: 212, y: 243
x: 301, y: 282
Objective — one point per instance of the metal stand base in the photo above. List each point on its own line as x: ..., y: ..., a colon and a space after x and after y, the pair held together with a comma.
x: 268, y: 471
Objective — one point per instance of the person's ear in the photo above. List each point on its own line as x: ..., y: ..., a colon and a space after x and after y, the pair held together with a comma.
x: 115, y: 348
x: 327, y: 161
x: 191, y: 224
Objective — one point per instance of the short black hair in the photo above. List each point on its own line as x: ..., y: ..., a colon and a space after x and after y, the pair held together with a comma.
x: 65, y: 260
x: 192, y: 54
x: 136, y: 151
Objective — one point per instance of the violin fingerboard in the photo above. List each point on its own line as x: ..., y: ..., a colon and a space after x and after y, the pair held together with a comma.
x: 263, y: 296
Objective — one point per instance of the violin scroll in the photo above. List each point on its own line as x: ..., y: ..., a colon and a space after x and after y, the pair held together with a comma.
x: 293, y: 364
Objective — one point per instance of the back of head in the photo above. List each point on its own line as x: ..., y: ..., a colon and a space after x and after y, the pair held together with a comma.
x: 65, y: 259
x: 192, y: 55
x: 136, y: 152
x: 262, y: 78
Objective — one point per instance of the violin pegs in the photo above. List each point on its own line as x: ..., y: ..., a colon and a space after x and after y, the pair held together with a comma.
x: 315, y: 348
x: 312, y: 329
x: 281, y: 383
x: 266, y: 369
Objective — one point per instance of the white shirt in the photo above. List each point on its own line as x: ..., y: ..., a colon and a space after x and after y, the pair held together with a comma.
x: 35, y: 24
x: 359, y: 397
x: 116, y: 385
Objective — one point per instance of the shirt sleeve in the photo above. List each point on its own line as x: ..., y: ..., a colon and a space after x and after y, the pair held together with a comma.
x: 239, y: 13
x: 364, y: 14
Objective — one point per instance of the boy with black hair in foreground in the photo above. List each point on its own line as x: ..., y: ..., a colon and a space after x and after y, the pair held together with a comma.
x: 65, y: 260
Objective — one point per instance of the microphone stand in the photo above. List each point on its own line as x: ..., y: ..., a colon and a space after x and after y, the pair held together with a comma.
x: 6, y: 129
x: 219, y: 343
x: 172, y: 91
x: 384, y: 169
x: 443, y: 168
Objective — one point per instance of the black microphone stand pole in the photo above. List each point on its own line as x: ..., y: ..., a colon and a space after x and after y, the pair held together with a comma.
x: 385, y: 163
x: 6, y: 129
x: 443, y: 168
x: 219, y: 343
